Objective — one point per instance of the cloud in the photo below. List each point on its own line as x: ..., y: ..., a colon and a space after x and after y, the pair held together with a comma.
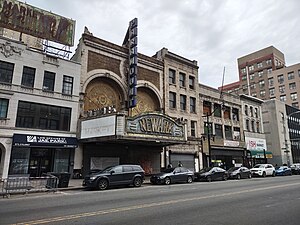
x: 215, y: 33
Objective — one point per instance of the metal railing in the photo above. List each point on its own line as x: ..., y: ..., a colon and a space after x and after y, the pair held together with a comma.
x: 16, y: 184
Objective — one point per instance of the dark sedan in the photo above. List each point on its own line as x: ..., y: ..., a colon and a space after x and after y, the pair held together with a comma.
x: 283, y: 171
x: 115, y: 175
x: 173, y: 175
x: 239, y: 172
x: 210, y: 174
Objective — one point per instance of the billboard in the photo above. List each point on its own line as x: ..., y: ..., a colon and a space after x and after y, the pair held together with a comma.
x: 24, y: 18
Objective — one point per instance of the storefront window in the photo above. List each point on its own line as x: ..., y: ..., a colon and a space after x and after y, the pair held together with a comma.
x: 19, y: 161
x: 61, y: 160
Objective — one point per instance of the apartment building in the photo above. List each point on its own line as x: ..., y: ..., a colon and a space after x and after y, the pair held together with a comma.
x: 181, y: 100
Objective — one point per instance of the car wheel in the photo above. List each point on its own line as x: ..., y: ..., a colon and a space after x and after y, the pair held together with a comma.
x: 137, y: 182
x: 167, y: 180
x: 208, y: 178
x: 249, y: 176
x: 238, y: 176
x: 264, y: 174
x: 189, y: 179
x: 102, y: 184
x: 273, y: 174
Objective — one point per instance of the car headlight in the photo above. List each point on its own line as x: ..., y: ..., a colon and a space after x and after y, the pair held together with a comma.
x: 93, y: 178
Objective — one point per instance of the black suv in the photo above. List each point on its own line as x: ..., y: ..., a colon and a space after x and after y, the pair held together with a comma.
x: 115, y: 175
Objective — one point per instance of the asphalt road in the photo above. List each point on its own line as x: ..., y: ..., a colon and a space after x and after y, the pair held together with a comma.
x: 272, y: 200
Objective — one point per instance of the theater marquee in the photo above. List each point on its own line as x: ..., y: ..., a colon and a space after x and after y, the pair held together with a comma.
x: 155, y: 125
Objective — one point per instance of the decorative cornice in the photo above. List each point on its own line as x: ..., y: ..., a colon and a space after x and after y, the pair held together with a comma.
x: 8, y: 50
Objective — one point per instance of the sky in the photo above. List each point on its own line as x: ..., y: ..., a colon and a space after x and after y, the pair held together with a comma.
x: 215, y: 33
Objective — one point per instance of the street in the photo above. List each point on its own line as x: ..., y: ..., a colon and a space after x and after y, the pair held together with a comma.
x: 271, y: 200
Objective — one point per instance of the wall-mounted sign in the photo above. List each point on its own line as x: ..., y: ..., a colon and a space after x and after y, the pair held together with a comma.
x: 132, y: 79
x: 229, y: 143
x: 99, y: 127
x: 255, y: 144
x: 155, y: 125
x: 24, y: 18
x: 29, y: 140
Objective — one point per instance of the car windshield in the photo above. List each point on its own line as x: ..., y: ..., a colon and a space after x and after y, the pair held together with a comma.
x: 107, y: 169
x: 169, y: 170
x: 258, y: 166
x: 204, y: 170
x: 233, y: 169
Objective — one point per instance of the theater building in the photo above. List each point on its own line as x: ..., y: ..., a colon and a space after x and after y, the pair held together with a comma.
x: 111, y: 131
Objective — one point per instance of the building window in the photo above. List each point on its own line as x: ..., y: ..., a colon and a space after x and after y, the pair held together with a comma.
x: 269, y: 70
x: 181, y: 79
x: 28, y: 77
x: 246, y: 110
x: 262, y: 84
x: 6, y: 72
x: 244, y: 77
x: 282, y: 89
x: 292, y: 86
x: 262, y: 93
x: 269, y: 62
x: 251, y: 111
x: 272, y: 91
x: 254, y: 94
x: 227, y: 113
x: 283, y: 98
x: 260, y: 73
x: 243, y: 70
x: 259, y: 65
x: 218, y: 131
x: 256, y: 112
x: 252, y: 126
x: 252, y: 86
x: 251, y: 68
x: 271, y: 82
x: 172, y: 100
x: 235, y: 114
x: 3, y: 108
x: 42, y: 116
x: 251, y: 76
x: 245, y: 87
x: 192, y: 82
x: 299, y: 73
x: 247, y: 125
x: 67, y: 88
x: 183, y: 102
x: 280, y: 79
x: 49, y: 79
x: 206, y: 108
x: 228, y: 132
x: 236, y: 134
x: 193, y: 128
x: 172, y: 76
x: 257, y: 127
x: 291, y: 75
x: 217, y: 110
x: 295, y: 104
x: 294, y: 96
x: 192, y: 105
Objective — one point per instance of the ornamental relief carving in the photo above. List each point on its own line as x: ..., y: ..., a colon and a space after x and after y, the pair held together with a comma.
x: 145, y: 103
x: 8, y: 50
x: 99, y: 95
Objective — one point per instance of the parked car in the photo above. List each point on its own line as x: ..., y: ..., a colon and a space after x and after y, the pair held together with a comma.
x: 263, y: 170
x: 210, y: 174
x: 239, y: 172
x: 283, y: 171
x: 295, y: 168
x: 115, y: 175
x: 173, y: 175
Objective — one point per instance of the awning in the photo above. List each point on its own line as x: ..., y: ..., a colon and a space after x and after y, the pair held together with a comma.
x: 260, y: 154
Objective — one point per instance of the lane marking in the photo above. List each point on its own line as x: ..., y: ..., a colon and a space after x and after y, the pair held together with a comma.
x: 147, y: 205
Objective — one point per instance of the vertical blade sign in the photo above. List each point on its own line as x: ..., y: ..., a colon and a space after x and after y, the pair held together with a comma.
x: 132, y: 80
